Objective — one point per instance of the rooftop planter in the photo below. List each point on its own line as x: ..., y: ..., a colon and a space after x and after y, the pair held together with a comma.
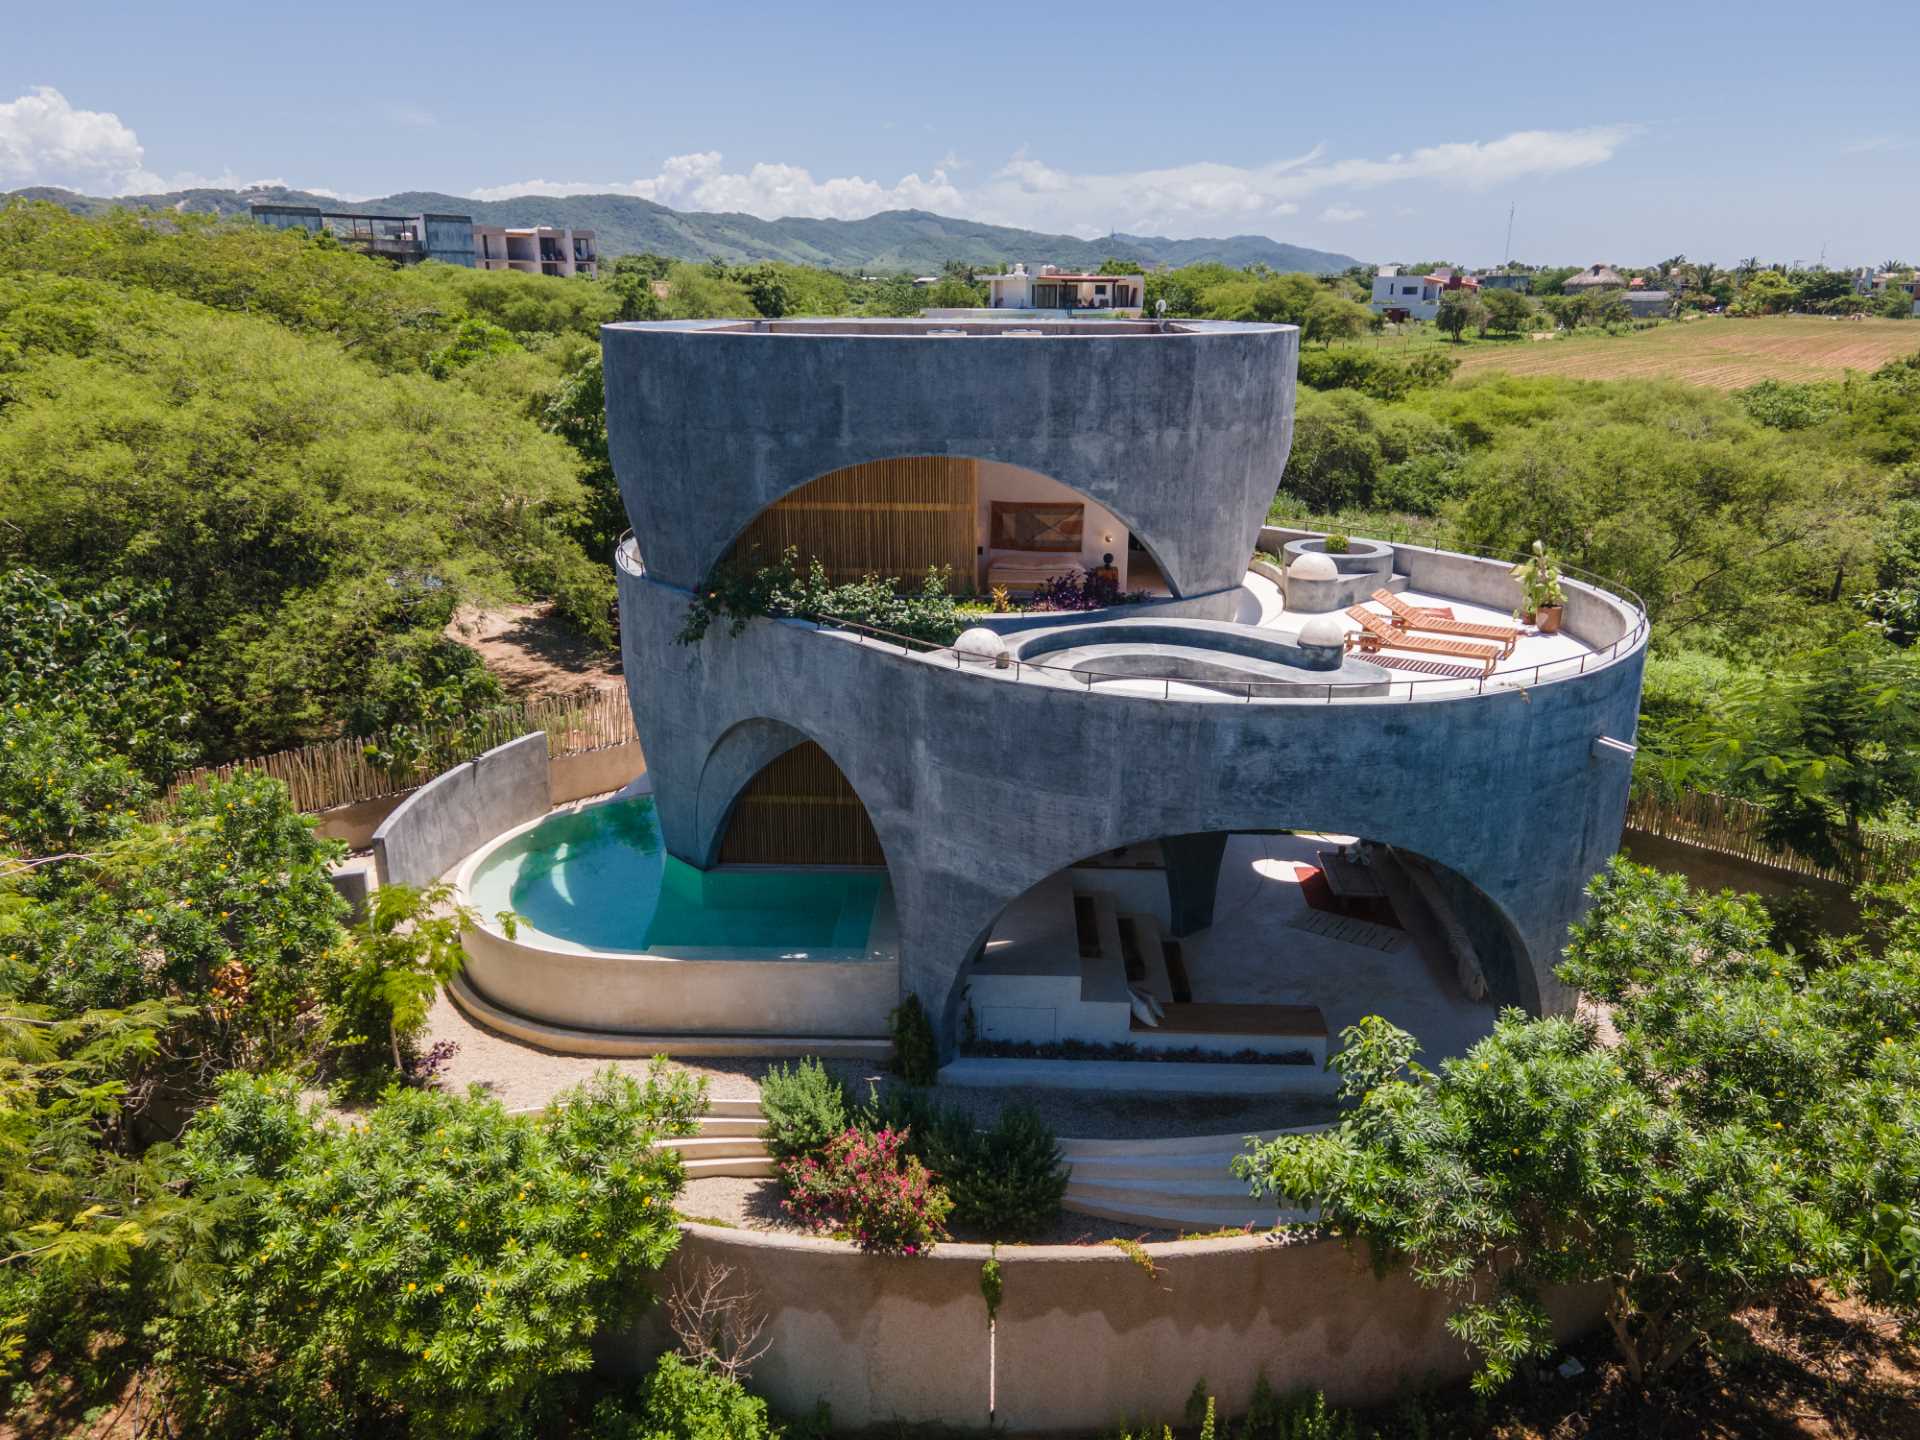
x: 1361, y: 557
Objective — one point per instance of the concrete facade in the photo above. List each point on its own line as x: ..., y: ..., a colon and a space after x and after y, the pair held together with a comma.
x: 711, y: 421
x: 1086, y: 1336
x: 980, y: 783
x: 455, y: 813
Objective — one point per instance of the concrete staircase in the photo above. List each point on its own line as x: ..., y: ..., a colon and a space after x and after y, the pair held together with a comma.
x: 729, y: 1142
x: 1179, y: 1184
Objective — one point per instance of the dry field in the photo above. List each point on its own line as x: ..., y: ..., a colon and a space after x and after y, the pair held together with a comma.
x: 1719, y: 353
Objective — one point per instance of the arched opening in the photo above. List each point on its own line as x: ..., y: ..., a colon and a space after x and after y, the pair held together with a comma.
x: 982, y: 523
x: 800, y: 810
x: 1245, y: 944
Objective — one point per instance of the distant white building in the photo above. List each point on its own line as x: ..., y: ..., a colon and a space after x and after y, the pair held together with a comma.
x: 1051, y: 291
x: 535, y: 250
x: 1415, y: 297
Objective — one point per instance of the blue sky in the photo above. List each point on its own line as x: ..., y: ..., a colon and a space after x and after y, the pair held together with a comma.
x: 1625, y: 133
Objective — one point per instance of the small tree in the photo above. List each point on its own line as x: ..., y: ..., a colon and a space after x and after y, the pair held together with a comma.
x: 1507, y: 311
x: 1751, y: 1126
x: 380, y: 984
x: 1831, y: 743
x: 1458, y: 310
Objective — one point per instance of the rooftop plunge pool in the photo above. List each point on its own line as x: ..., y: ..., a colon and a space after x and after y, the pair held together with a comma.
x: 610, y: 932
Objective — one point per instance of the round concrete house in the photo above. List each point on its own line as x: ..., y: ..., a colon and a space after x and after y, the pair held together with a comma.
x: 1078, y: 828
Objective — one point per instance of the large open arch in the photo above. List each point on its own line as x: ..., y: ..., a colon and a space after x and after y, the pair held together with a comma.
x: 981, y: 522
x: 1238, y: 932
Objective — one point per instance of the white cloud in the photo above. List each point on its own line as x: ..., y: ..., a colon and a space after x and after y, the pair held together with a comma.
x: 45, y: 141
x: 1203, y: 197
x: 701, y: 181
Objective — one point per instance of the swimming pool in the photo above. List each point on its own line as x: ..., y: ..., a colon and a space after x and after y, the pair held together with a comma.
x: 598, y: 880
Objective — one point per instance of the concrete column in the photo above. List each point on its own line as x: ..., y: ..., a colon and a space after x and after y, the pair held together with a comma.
x: 1193, y: 878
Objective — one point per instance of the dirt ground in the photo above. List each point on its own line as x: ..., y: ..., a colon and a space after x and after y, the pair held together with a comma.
x: 533, y: 654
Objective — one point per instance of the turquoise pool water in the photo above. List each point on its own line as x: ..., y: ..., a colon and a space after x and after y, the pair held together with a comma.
x: 599, y: 879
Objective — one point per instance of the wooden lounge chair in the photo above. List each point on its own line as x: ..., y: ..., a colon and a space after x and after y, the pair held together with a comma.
x: 1439, y: 621
x: 1377, y: 634
x: 1405, y: 614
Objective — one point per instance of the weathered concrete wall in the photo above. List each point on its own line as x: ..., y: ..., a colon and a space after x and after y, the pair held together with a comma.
x: 356, y: 821
x: 1086, y: 1336
x: 595, y: 772
x: 575, y: 777
x: 453, y: 814
x: 710, y: 422
x: 980, y: 786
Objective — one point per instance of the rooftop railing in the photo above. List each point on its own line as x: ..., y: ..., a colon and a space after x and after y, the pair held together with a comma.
x: 1430, y: 687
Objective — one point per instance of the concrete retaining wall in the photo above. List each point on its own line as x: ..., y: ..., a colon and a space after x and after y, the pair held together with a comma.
x: 1086, y: 1336
x: 454, y: 814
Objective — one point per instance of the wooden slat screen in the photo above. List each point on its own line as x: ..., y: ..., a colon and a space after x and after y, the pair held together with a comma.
x: 892, y: 518
x: 800, y: 810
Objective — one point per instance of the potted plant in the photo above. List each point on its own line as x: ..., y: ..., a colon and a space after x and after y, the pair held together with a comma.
x: 1335, y: 544
x: 1542, y: 598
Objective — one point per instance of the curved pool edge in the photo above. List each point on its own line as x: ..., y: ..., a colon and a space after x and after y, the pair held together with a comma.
x: 699, y: 992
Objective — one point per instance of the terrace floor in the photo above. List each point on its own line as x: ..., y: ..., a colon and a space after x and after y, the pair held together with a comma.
x: 1267, y: 945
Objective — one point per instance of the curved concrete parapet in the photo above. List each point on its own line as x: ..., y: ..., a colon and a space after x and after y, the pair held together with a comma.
x: 1084, y: 1335
x: 982, y: 782
x: 456, y: 812
x: 710, y: 422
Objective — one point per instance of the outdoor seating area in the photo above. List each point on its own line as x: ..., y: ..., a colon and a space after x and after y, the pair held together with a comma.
x: 1377, y: 634
x: 1440, y: 620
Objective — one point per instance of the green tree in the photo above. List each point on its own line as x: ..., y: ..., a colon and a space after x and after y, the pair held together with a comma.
x: 768, y: 292
x: 1830, y: 742
x: 100, y: 656
x: 1329, y: 318
x: 1747, y: 1129
x: 225, y: 907
x: 439, y: 1262
x: 1507, y: 311
x: 1458, y: 310
x: 1767, y: 292
x: 294, y: 508
x: 378, y: 986
x: 948, y: 293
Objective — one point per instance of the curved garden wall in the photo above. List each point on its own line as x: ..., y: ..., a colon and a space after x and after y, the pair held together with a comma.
x: 455, y: 813
x: 1086, y: 1336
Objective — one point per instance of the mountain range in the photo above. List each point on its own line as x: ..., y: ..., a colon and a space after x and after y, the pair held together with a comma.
x: 891, y: 241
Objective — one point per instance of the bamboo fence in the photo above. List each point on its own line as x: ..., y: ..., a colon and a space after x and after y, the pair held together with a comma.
x: 1733, y: 827
x: 339, y: 772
